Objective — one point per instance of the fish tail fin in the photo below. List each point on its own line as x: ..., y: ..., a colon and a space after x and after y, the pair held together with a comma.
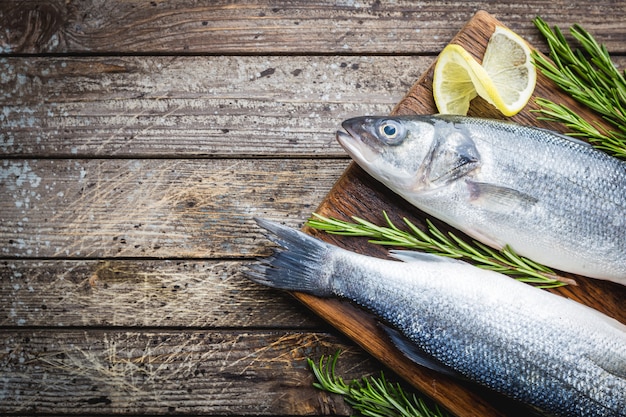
x: 299, y: 264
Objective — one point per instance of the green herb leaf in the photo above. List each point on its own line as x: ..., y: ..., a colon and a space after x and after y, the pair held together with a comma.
x: 370, y: 396
x: 589, y: 76
x: 437, y: 242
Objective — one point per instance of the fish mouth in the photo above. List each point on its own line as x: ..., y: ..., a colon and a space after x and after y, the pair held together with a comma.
x: 347, y: 142
x: 356, y: 141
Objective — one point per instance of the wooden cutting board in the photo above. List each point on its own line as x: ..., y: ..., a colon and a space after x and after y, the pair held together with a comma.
x: 356, y: 193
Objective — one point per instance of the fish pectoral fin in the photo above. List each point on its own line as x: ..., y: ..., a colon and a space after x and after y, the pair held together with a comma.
x: 413, y: 256
x: 615, y: 363
x: 616, y: 368
x: 497, y: 198
x: 415, y: 354
x: 452, y: 155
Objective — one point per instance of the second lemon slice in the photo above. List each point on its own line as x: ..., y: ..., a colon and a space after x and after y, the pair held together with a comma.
x: 509, y: 65
x: 506, y: 79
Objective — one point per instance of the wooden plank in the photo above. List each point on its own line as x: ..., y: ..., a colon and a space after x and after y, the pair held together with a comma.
x: 166, y: 372
x: 140, y: 293
x: 192, y: 106
x: 153, y: 208
x: 164, y: 106
x: 265, y: 27
x: 357, y: 194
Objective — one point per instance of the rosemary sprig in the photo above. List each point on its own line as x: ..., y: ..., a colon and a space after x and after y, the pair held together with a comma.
x: 436, y: 242
x: 590, y: 77
x: 371, y: 397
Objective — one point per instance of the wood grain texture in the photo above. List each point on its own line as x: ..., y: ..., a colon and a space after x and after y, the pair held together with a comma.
x: 358, y: 194
x: 141, y: 137
x: 266, y: 27
x: 218, y: 107
x: 181, y: 208
x: 142, y: 293
x: 192, y: 106
x: 168, y: 372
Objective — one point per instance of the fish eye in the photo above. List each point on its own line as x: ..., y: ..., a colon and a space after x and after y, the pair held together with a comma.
x: 391, y: 132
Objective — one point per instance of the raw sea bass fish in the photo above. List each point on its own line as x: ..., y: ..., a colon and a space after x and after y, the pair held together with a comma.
x: 550, y: 352
x: 553, y: 199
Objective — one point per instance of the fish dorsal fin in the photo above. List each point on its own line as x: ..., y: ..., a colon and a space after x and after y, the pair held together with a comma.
x: 452, y: 155
x: 413, y: 256
x: 496, y: 198
x: 416, y: 354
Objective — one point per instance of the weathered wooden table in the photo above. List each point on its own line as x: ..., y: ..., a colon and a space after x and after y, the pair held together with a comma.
x: 138, y: 141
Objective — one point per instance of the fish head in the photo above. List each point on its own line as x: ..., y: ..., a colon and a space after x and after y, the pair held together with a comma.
x: 409, y: 153
x: 389, y: 148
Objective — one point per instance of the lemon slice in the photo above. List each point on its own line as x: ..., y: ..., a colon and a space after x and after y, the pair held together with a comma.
x: 508, y: 63
x: 453, y: 86
x: 506, y: 79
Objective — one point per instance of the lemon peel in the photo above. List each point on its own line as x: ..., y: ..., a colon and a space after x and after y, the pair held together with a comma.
x: 506, y: 79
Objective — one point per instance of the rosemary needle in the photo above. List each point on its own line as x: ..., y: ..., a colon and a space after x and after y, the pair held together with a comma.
x: 437, y: 242
x: 370, y: 396
x: 589, y: 76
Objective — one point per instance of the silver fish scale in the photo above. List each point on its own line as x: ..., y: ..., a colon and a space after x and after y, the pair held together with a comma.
x: 580, y: 202
x: 525, y: 343
x: 540, y: 348
x: 551, y: 198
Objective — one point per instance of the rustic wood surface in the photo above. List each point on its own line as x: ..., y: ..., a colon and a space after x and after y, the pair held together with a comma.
x: 138, y: 140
